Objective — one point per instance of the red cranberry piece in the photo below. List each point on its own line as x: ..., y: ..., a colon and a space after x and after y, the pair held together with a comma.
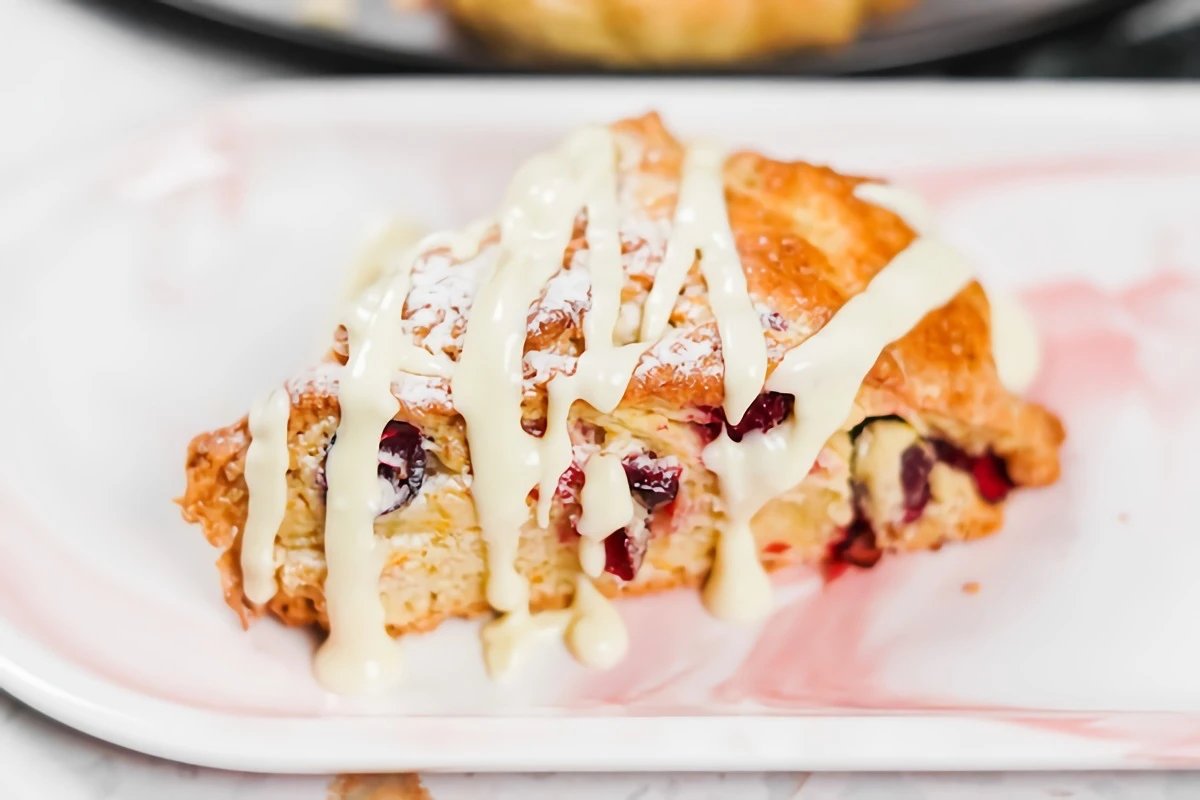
x: 991, y: 478
x: 709, y: 431
x: 951, y: 455
x: 401, y: 464
x: 857, y: 548
x: 775, y: 321
x: 624, y: 552
x: 768, y: 410
x: 989, y: 471
x: 534, y: 426
x: 652, y: 483
x: 915, y: 466
x: 860, y: 548
x: 569, y: 482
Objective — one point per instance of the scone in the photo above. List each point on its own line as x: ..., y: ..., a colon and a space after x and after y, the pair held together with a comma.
x: 656, y: 367
x: 646, y: 32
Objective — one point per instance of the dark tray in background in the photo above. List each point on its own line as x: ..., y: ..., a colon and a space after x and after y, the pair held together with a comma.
x: 380, y: 33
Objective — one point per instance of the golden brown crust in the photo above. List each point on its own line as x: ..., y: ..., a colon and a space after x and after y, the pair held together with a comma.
x: 630, y: 32
x: 807, y: 245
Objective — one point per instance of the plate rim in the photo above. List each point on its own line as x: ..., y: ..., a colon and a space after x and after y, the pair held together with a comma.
x: 713, y: 743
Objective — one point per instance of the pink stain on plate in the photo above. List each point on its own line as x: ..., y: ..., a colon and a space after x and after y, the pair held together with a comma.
x: 1144, y: 338
x: 814, y: 653
x: 101, y: 625
x: 939, y: 188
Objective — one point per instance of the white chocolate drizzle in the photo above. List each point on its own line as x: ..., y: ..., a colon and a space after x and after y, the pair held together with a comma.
x: 824, y: 374
x: 1015, y: 343
x: 702, y: 226
x: 905, y: 205
x: 266, y: 481
x: 536, y: 224
x: 607, y: 507
x: 592, y: 629
x: 1016, y: 347
x: 603, y: 371
x: 359, y: 654
x: 596, y: 635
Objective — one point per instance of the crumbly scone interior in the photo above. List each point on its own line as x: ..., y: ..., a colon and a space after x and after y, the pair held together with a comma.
x: 853, y: 507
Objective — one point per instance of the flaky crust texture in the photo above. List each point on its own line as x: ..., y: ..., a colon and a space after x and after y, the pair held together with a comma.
x: 807, y: 245
x: 644, y: 32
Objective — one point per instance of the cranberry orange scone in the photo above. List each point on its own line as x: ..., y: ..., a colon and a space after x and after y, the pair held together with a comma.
x: 657, y: 366
x: 645, y: 32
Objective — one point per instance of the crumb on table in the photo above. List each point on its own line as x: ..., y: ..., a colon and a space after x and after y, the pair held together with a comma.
x: 378, y: 787
x: 971, y: 587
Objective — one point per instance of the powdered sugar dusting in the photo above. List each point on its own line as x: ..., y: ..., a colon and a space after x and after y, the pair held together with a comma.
x: 769, y: 318
x: 321, y: 380
x: 442, y: 294
x: 420, y: 391
x: 582, y: 451
x: 541, y: 366
x: 676, y: 351
x: 643, y: 238
x: 568, y: 291
x: 444, y: 290
x: 644, y: 241
x: 414, y: 391
x: 643, y: 460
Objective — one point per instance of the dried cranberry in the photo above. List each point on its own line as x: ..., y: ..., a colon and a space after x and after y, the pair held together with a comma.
x: 534, y: 426
x: 401, y: 464
x: 991, y: 478
x: 709, y: 431
x: 624, y: 552
x: 915, y: 466
x: 775, y: 321
x: 652, y: 483
x: 988, y: 470
x: 857, y: 548
x: 951, y: 455
x: 768, y: 410
x: 860, y: 547
x: 569, y: 482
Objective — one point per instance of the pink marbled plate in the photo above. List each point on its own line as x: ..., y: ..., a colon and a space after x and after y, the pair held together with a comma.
x: 152, y: 293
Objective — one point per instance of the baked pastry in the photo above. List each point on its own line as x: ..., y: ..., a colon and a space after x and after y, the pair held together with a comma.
x: 657, y: 367
x: 647, y: 32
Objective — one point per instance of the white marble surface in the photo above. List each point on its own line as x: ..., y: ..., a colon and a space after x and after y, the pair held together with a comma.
x: 72, y: 77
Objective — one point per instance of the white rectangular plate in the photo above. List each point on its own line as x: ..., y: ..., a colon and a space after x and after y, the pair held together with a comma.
x: 129, y: 296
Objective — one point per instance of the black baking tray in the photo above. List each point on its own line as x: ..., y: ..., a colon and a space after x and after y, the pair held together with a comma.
x: 382, y: 33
